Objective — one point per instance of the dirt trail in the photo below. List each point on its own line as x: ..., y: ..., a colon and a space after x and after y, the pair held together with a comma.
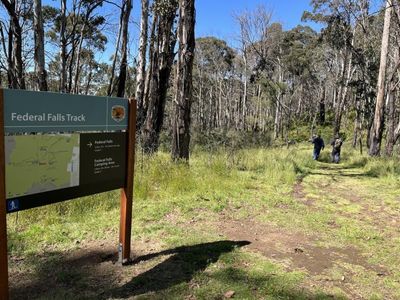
x: 93, y: 267
x: 295, y: 250
x: 298, y: 251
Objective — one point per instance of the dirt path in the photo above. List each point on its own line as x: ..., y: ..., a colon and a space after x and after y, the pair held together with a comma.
x: 298, y: 251
x: 92, y: 271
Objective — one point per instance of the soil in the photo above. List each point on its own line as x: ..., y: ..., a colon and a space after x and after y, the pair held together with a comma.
x: 92, y: 271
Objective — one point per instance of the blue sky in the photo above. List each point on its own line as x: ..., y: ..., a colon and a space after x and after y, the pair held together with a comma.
x: 215, y: 17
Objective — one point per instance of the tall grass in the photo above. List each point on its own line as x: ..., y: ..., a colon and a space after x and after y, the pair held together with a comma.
x: 213, y: 181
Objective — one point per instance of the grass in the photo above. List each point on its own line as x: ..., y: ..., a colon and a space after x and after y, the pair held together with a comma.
x: 352, y: 204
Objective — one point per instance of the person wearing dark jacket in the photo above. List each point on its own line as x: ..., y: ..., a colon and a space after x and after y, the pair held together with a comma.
x: 336, y: 149
x: 318, y: 146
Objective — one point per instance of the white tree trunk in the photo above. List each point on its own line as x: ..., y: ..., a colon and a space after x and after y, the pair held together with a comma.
x: 184, y: 86
x: 377, y: 127
x: 141, y: 65
x: 63, y: 48
x: 39, y: 46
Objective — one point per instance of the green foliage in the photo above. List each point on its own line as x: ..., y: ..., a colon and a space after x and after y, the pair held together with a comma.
x: 164, y: 7
x: 299, y: 50
x: 230, y: 140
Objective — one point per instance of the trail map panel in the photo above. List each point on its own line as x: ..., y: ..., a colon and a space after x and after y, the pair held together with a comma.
x: 41, y: 163
x: 45, y: 169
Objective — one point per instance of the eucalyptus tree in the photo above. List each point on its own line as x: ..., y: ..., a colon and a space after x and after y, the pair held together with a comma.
x: 124, y: 48
x: 261, y: 41
x: 305, y: 92
x: 393, y: 83
x: 184, y: 85
x: 15, y: 10
x: 253, y: 34
x: 341, y: 19
x: 162, y: 45
x: 379, y: 118
x: 141, y: 61
x: 40, y: 65
x: 86, y: 28
x: 75, y: 29
x: 213, y: 72
x: 63, y: 47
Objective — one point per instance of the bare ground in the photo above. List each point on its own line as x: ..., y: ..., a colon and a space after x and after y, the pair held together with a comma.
x: 92, y: 271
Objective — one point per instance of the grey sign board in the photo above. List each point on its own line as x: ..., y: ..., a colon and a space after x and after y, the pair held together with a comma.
x: 26, y: 112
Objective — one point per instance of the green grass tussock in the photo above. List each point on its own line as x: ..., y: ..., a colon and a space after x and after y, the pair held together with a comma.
x: 178, y: 205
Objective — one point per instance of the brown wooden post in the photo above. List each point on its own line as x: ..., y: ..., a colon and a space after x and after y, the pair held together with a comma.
x: 3, y: 210
x: 127, y: 192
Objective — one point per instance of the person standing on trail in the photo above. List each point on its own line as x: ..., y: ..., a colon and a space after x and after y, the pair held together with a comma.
x: 336, y: 148
x: 318, y: 146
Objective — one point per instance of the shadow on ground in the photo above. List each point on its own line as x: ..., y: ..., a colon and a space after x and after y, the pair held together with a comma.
x: 95, y: 275
x: 184, y: 263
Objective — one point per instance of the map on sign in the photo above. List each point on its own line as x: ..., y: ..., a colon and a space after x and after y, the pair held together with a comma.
x: 41, y: 163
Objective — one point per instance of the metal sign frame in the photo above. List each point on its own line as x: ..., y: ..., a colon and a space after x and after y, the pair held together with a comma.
x: 124, y: 248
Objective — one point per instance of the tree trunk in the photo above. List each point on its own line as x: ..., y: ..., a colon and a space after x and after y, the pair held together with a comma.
x: 85, y: 21
x: 277, y: 120
x: 63, y: 47
x: 163, y: 57
x: 17, y: 51
x: 41, y: 73
x: 15, y: 43
x: 153, y: 66
x: 390, y: 139
x: 141, y: 65
x: 110, y: 87
x: 244, y: 103
x: 379, y: 118
x: 321, y: 108
x: 183, y: 98
x: 124, y: 49
x: 357, y: 138
x: 8, y: 52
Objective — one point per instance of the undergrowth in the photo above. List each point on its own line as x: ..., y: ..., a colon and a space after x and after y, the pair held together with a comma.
x: 212, y: 181
x: 176, y: 204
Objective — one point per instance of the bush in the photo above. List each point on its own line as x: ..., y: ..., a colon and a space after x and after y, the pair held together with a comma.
x: 230, y: 139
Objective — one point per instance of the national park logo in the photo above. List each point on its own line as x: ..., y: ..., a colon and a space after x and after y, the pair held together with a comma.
x: 118, y: 113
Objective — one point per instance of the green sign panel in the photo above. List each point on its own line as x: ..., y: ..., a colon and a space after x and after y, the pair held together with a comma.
x: 72, y: 146
x: 29, y: 112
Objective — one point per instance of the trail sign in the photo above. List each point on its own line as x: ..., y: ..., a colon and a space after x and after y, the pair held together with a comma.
x: 56, y: 162
x: 66, y: 146
x: 60, y: 167
x: 27, y: 112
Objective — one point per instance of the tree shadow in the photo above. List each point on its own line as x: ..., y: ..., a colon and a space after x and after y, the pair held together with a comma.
x: 62, y: 275
x: 179, y: 268
x: 95, y: 275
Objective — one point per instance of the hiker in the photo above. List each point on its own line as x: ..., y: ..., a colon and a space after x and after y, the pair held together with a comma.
x: 336, y: 147
x: 318, y: 146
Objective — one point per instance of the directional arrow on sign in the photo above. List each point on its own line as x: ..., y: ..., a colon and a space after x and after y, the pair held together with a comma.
x: 90, y: 145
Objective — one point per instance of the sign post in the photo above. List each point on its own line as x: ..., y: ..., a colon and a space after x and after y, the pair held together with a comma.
x: 67, y: 146
x: 3, y: 210
x: 124, y: 250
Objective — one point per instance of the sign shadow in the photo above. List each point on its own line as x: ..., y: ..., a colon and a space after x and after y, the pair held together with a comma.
x: 180, y: 267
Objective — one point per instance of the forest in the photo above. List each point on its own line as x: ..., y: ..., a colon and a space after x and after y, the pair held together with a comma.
x: 267, y: 83
x: 228, y: 201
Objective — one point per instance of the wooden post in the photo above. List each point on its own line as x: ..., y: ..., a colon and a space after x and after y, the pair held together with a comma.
x: 3, y: 210
x: 124, y: 250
